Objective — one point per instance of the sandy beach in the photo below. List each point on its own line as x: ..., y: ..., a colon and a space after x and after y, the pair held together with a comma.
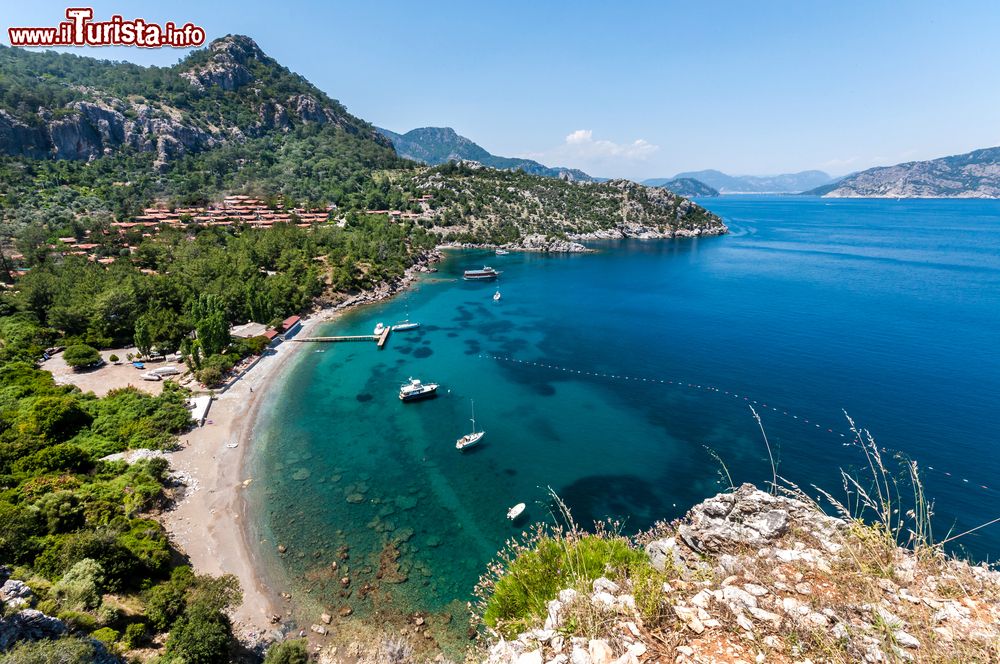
x: 208, y: 524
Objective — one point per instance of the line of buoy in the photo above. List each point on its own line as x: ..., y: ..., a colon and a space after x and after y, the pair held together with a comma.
x: 710, y: 388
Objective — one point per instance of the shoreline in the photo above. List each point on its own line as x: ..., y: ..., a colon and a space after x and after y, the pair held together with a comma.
x: 210, y: 523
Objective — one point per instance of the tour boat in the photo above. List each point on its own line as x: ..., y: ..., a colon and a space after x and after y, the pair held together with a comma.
x: 486, y: 274
x: 379, y: 329
x: 496, y: 296
x: 502, y: 252
x: 470, y: 439
x: 405, y: 325
x: 515, y: 511
x: 415, y: 390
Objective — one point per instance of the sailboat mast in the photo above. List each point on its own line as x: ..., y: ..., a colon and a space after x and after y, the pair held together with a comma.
x: 473, y: 415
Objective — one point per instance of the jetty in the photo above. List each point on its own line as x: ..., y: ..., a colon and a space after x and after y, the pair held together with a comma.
x: 356, y: 337
x: 384, y: 336
x: 379, y: 339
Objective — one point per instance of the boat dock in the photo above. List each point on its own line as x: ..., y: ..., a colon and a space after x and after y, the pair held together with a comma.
x: 379, y: 339
x: 358, y: 337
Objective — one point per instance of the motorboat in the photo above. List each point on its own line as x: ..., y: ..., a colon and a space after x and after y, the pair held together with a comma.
x: 486, y: 274
x: 415, y: 390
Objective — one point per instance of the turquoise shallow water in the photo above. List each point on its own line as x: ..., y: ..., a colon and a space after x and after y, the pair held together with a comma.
x: 605, y: 376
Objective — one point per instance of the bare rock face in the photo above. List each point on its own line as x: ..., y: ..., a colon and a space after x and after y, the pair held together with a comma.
x: 21, y: 140
x: 749, y: 517
x: 228, y: 66
x: 31, y: 625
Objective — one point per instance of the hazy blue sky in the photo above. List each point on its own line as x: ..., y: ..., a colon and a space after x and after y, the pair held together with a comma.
x: 636, y: 89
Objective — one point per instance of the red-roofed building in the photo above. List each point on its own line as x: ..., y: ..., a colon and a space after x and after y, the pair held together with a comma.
x: 290, y: 326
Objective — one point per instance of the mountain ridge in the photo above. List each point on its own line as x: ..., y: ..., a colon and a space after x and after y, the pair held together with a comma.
x: 974, y: 174
x: 784, y: 183
x: 437, y: 145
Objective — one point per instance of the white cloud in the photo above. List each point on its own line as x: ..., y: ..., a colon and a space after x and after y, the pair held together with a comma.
x: 581, y: 143
x: 580, y: 149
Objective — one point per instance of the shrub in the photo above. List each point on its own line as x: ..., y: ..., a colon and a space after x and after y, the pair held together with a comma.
x: 66, y: 650
x: 105, y: 635
x: 78, y: 620
x: 135, y: 635
x: 114, y: 358
x: 80, y: 586
x: 200, y: 636
x: 530, y: 574
x: 81, y: 355
x: 288, y: 652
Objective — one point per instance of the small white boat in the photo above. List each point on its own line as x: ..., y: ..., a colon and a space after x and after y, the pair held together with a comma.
x: 379, y: 329
x: 232, y: 446
x: 415, y: 390
x: 515, y: 511
x: 502, y: 252
x: 151, y: 376
x: 496, y: 296
x: 473, y: 437
x: 405, y: 325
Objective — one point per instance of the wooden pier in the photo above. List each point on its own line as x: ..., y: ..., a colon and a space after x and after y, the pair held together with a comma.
x: 359, y: 337
x: 379, y: 339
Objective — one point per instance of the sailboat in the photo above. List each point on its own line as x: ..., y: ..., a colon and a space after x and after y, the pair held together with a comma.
x: 472, y: 438
x: 406, y: 324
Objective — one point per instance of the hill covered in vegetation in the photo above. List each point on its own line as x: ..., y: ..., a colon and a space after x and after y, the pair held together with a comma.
x: 439, y: 145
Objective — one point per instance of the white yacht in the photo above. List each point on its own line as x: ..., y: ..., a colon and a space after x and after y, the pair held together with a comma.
x: 473, y: 437
x: 414, y: 390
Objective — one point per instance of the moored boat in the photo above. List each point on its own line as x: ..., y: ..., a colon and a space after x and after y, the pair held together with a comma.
x: 486, y: 274
x: 473, y: 437
x: 379, y: 329
x: 502, y: 252
x: 414, y: 390
x: 515, y: 511
x: 405, y: 325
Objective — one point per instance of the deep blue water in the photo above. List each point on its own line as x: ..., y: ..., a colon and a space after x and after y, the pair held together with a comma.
x: 889, y: 310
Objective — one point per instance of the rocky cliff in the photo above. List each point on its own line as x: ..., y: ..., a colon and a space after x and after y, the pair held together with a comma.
x: 751, y: 577
x: 226, y: 92
x: 972, y: 175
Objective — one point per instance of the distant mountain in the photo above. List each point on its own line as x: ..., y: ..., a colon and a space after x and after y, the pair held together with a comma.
x: 974, y: 174
x: 439, y: 145
x: 786, y: 183
x: 687, y: 187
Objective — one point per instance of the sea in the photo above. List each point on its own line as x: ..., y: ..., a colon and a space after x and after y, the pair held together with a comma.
x: 626, y: 381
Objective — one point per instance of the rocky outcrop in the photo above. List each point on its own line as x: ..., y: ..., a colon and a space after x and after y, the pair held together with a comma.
x: 748, y: 576
x: 228, y: 64
x: 16, y: 594
x: 972, y: 175
x: 29, y: 625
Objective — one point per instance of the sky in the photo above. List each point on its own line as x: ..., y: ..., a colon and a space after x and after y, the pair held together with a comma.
x: 631, y: 89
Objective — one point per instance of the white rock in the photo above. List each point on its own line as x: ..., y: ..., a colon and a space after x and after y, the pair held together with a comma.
x: 737, y: 597
x: 604, y: 599
x: 579, y: 656
x: 568, y: 595
x: 702, y: 599
x: 600, y: 651
x: 906, y: 639
x: 754, y: 589
x: 533, y: 657
x: 606, y: 586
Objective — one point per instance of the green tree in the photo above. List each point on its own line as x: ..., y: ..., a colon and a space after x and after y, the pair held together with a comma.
x: 210, y: 323
x: 81, y: 355
x: 143, y: 339
x: 288, y: 652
